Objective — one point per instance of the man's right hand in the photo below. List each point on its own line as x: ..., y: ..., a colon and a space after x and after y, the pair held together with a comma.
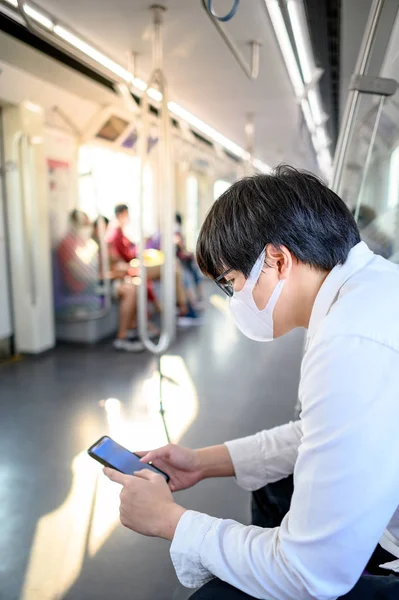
x: 181, y: 464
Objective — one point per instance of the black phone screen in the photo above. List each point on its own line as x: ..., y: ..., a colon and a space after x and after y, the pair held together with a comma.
x: 118, y: 457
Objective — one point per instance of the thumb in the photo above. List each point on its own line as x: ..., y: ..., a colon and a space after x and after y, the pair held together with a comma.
x: 150, y: 456
x: 163, y: 452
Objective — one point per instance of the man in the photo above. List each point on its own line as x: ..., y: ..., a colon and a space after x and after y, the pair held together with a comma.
x: 287, y: 251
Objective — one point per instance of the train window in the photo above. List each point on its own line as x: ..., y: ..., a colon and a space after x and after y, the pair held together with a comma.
x: 191, y: 212
x: 108, y: 178
x: 393, y: 191
x: 219, y: 187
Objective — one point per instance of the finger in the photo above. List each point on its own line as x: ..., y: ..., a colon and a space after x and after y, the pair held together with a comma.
x: 146, y: 474
x: 116, y: 476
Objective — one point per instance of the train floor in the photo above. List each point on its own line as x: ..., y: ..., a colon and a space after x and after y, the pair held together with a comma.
x: 60, y: 537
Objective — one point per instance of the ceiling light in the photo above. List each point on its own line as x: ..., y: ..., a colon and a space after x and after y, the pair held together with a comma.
x: 315, y: 106
x: 325, y: 163
x: 323, y: 141
x: 302, y: 40
x: 283, y: 39
x: 154, y: 94
x: 217, y: 137
x: 139, y: 84
x: 13, y: 3
x: 92, y: 52
x: 261, y: 166
x: 307, y: 113
x: 38, y: 16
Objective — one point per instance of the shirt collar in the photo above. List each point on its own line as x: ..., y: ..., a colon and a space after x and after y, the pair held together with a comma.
x: 358, y: 257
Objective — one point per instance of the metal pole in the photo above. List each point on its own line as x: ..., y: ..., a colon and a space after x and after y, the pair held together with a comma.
x: 352, y: 103
x: 368, y: 157
x: 166, y: 206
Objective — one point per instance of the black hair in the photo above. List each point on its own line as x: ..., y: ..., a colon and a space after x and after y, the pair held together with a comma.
x: 178, y: 218
x: 120, y: 208
x: 78, y: 217
x: 288, y: 208
x: 106, y: 221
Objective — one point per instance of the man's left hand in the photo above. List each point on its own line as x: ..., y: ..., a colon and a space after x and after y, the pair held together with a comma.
x: 147, y: 505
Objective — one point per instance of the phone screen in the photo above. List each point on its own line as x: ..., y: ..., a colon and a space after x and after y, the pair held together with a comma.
x: 120, y: 458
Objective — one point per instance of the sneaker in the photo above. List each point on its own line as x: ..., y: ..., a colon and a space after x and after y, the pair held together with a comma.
x: 200, y: 305
x: 129, y: 346
x: 189, y: 321
x: 133, y: 334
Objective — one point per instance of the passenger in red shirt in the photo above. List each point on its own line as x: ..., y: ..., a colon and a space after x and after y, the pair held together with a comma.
x: 122, y: 249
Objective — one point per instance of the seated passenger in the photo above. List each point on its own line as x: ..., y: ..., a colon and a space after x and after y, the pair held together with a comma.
x: 126, y: 293
x: 122, y: 250
x: 191, y: 274
x: 78, y: 256
x: 287, y: 252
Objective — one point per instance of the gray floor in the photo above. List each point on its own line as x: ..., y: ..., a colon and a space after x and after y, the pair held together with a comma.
x: 50, y: 411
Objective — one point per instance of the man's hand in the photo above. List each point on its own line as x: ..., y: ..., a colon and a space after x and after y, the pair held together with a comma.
x: 147, y: 504
x: 181, y: 464
x: 187, y: 467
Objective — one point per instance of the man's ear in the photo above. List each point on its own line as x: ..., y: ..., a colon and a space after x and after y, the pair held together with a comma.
x: 279, y: 258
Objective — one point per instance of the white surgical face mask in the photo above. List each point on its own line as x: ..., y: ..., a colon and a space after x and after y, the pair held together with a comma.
x: 254, y: 323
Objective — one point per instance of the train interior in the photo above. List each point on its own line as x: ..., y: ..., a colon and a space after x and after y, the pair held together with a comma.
x: 159, y: 109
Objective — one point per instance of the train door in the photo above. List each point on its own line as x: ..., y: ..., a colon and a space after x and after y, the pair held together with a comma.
x: 6, y: 329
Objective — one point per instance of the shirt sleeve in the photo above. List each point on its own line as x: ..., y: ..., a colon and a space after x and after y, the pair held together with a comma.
x: 265, y: 457
x: 345, y: 487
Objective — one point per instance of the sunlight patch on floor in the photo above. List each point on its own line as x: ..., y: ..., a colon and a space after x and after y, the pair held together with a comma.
x: 76, y: 530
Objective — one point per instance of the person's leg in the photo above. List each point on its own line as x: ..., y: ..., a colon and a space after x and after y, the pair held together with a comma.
x: 127, y: 308
x: 271, y: 503
x: 369, y: 587
x: 154, y: 274
x: 219, y: 590
x: 127, y: 314
x: 374, y: 587
x: 181, y: 297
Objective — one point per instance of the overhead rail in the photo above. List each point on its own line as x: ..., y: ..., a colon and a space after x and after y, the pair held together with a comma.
x: 250, y: 70
x: 361, y: 83
x: 48, y: 28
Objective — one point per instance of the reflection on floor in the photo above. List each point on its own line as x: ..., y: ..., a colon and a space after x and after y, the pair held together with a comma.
x: 60, y: 537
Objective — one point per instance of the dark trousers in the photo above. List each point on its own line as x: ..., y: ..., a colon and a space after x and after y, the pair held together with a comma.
x: 269, y: 506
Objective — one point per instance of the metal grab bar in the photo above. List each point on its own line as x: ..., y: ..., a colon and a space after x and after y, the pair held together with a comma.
x: 24, y: 157
x: 352, y: 103
x: 167, y: 206
x: 252, y: 70
x: 368, y: 157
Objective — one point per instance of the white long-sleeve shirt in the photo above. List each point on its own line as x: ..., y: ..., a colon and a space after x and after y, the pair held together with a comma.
x: 344, y: 453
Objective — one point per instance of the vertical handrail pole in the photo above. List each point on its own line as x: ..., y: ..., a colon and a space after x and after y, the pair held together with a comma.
x: 352, y: 103
x: 368, y: 157
x: 166, y: 204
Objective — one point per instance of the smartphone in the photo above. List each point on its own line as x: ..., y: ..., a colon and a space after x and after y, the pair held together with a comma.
x: 111, y: 454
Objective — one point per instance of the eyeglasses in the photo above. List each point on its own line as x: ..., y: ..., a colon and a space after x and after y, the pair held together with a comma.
x: 226, y: 286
